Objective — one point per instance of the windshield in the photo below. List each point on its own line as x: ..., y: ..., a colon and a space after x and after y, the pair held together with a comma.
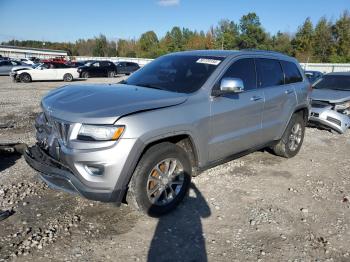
x: 37, y: 65
x: 176, y: 73
x: 336, y: 82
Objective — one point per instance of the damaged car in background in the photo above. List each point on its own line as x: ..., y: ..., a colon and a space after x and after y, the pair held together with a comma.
x: 331, y: 102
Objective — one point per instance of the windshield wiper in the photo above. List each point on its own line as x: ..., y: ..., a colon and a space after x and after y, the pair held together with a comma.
x: 340, y: 89
x: 149, y: 86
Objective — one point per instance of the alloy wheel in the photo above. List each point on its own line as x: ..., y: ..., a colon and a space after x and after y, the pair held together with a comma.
x: 295, y: 137
x: 165, y: 181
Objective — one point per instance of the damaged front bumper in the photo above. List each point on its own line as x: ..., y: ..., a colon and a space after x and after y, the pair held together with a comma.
x: 328, y: 117
x: 58, y: 176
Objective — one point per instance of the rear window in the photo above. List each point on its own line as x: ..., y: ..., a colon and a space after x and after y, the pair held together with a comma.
x: 291, y: 73
x: 269, y: 72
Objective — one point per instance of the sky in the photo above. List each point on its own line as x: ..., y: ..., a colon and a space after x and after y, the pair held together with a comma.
x: 69, y: 20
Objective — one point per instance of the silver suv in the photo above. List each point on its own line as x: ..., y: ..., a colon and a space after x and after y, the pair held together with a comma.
x: 141, y: 140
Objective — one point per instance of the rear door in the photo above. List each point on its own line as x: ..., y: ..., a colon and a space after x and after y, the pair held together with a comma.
x: 236, y: 118
x: 61, y: 70
x: 104, y: 68
x: 280, y: 98
x: 121, y: 68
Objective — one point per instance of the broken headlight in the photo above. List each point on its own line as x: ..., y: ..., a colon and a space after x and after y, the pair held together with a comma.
x: 342, y: 106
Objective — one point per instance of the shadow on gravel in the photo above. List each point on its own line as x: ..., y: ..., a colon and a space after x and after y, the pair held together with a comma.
x: 8, y: 161
x: 179, y: 235
x: 9, y: 153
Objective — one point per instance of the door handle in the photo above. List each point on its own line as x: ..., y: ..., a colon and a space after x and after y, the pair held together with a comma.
x: 255, y: 98
x: 289, y: 91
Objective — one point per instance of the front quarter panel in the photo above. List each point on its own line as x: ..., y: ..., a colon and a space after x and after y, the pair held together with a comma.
x: 189, y: 118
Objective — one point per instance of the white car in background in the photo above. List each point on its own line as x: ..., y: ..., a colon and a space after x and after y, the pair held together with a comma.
x: 45, y: 71
x: 27, y: 61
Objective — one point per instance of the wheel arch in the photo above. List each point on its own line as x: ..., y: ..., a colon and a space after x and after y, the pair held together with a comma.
x: 26, y: 73
x: 302, y: 109
x: 185, y: 141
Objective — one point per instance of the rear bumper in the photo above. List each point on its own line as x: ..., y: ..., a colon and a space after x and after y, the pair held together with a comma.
x: 328, y: 117
x: 58, y: 176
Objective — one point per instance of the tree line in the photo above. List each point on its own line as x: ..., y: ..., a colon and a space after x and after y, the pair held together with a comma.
x: 327, y: 41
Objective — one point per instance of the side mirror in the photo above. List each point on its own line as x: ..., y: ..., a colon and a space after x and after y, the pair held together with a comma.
x: 229, y: 85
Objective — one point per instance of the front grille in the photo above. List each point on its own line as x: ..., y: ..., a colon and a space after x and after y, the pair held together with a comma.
x: 334, y: 121
x: 62, y: 130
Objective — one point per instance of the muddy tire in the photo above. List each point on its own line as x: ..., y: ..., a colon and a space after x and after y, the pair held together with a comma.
x: 161, y: 180
x: 85, y: 75
x: 292, y: 138
x: 111, y: 74
x: 25, y: 78
x: 67, y: 78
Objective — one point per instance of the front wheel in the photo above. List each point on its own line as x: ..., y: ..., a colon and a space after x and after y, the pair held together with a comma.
x: 25, y: 78
x: 292, y: 139
x: 67, y: 77
x: 161, y: 179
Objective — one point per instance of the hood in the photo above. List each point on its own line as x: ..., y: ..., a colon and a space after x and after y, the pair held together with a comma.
x: 17, y: 68
x: 329, y: 95
x: 105, y: 104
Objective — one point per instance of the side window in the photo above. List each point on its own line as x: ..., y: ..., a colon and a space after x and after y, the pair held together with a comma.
x: 97, y: 64
x: 291, y: 73
x: 269, y: 72
x: 245, y: 70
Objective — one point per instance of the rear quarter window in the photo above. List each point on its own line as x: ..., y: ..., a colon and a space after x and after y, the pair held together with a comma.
x: 269, y: 72
x: 291, y: 73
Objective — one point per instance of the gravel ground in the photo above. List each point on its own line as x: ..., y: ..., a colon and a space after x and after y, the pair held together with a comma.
x: 257, y: 208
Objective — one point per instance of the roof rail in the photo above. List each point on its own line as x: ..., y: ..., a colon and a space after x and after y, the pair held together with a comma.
x: 264, y: 51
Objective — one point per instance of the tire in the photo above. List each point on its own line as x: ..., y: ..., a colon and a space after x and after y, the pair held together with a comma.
x: 147, y: 179
x: 67, y: 78
x: 292, y: 138
x: 85, y: 74
x: 111, y: 74
x: 25, y: 78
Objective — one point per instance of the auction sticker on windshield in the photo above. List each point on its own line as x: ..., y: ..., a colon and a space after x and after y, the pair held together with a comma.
x: 208, y: 61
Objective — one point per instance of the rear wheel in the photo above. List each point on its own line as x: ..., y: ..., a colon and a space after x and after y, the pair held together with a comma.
x: 292, y: 139
x: 85, y: 75
x: 67, y: 77
x: 25, y: 78
x: 161, y: 179
x: 111, y: 74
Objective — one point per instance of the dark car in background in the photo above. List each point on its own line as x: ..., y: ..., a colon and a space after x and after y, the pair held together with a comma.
x: 313, y: 76
x: 126, y: 67
x: 75, y: 64
x: 98, y: 68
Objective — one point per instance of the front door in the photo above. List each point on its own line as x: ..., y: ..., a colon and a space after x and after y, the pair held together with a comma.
x: 236, y: 118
